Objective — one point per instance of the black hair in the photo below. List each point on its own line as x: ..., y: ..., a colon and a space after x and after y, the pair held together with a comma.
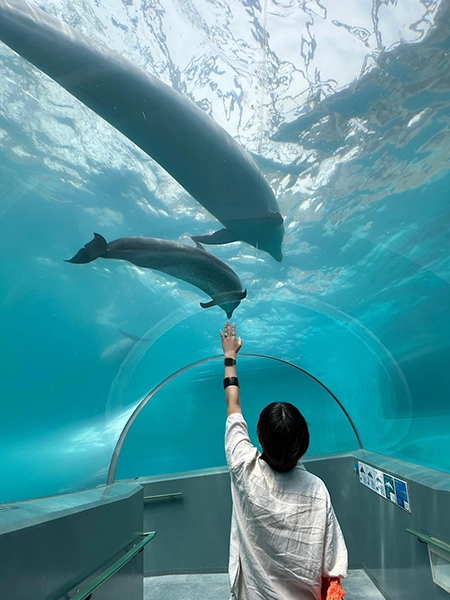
x: 283, y: 434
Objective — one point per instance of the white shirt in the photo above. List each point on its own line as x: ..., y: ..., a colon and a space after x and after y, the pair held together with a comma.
x: 284, y: 533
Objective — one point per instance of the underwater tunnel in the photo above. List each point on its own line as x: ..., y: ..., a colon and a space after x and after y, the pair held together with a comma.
x: 284, y: 164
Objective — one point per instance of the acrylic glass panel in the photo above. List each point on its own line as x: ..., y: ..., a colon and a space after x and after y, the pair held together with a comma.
x: 182, y: 427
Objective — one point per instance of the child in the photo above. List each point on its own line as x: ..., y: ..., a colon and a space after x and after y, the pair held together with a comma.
x: 286, y: 542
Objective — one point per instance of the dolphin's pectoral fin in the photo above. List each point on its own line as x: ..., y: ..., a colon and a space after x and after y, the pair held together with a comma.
x: 92, y: 250
x: 224, y: 298
x: 135, y: 338
x: 274, y: 217
x: 197, y: 243
x: 208, y: 304
x: 223, y: 236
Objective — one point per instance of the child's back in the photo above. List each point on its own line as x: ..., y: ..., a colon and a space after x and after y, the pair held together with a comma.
x: 285, y: 536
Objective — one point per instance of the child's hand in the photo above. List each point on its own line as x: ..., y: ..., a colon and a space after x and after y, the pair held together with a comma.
x: 230, y: 344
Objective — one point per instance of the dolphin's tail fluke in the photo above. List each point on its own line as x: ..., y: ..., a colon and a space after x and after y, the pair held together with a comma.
x: 94, y: 249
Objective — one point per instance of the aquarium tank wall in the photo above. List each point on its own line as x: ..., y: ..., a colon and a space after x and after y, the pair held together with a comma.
x: 313, y: 136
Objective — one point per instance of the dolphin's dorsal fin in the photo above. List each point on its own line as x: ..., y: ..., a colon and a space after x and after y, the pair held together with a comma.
x: 223, y: 236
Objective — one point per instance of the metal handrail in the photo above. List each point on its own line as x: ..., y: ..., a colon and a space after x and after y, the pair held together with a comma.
x: 85, y: 592
x: 171, y: 496
x: 430, y: 540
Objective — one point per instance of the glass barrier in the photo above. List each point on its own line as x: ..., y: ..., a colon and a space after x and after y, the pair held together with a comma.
x: 347, y: 122
x: 182, y: 427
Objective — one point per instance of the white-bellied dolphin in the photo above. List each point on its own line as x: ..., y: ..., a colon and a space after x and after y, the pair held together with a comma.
x: 170, y: 128
x: 193, y: 265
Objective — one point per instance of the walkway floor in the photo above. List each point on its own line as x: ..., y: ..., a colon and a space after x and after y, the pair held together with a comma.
x: 215, y: 587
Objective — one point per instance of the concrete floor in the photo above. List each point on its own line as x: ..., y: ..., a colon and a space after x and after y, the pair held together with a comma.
x: 215, y: 587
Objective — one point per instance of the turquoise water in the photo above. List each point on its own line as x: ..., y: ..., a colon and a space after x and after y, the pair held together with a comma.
x: 351, y: 132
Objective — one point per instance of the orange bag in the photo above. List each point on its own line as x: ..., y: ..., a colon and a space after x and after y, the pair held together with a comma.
x: 332, y: 589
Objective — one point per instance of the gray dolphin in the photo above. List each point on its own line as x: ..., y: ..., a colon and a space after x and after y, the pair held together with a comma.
x: 171, y: 129
x: 193, y: 265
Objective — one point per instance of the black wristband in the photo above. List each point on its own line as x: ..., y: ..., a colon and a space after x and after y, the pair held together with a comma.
x: 230, y: 381
x: 229, y: 362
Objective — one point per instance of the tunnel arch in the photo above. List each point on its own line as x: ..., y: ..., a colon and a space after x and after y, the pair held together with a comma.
x: 143, y: 403
x: 357, y: 367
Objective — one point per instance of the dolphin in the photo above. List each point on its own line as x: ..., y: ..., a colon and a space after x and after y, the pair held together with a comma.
x: 193, y: 265
x: 166, y: 125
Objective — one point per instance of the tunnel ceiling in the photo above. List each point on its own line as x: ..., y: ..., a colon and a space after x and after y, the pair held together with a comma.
x: 345, y: 109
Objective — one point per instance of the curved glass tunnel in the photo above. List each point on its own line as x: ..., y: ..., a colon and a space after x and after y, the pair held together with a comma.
x: 196, y: 440
x: 347, y: 116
